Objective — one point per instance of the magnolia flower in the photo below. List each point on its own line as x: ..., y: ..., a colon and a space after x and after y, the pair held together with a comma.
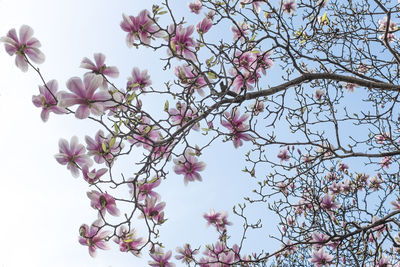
x: 144, y: 189
x: 237, y: 126
x: 140, y: 28
x: 24, y: 45
x: 328, y: 202
x: 318, y: 239
x: 186, y: 253
x: 240, y: 31
x: 219, y: 220
x: 195, y: 6
x: 204, y: 25
x: 153, y: 211
x: 128, y: 241
x: 84, y: 94
x: 103, y: 202
x: 92, y: 176
x: 189, y: 166
x: 93, y: 237
x: 73, y: 155
x: 183, y: 114
x: 319, y: 93
x: 321, y: 258
x: 139, y: 80
x: 181, y: 41
x: 100, y: 68
x: 386, y: 161
x: 191, y: 79
x: 47, y: 100
x: 289, y: 6
x: 161, y: 259
x: 102, y: 147
x: 283, y: 155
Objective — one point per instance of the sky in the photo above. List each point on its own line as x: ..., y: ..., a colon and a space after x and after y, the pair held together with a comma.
x: 43, y: 205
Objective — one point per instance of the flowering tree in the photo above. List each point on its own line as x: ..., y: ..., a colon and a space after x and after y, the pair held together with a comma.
x: 282, y: 85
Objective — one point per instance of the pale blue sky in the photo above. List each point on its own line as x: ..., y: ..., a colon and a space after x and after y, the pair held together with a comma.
x: 43, y: 206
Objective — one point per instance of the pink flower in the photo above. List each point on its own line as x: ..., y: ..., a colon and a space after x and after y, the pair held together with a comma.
x: 319, y: 239
x: 73, y: 155
x: 47, y: 100
x: 328, y: 202
x: 204, y: 25
x: 92, y: 176
x: 103, y: 202
x: 283, y: 155
x: 93, y: 237
x: 219, y: 220
x: 186, y: 253
x: 191, y: 79
x: 128, y: 241
x: 140, y: 28
x: 382, y: 138
x: 139, y: 80
x: 145, y: 134
x: 96, y: 147
x: 153, y: 211
x: 161, y: 259
x: 386, y: 161
x: 84, y: 94
x: 396, y: 204
x: 237, y: 126
x: 24, y: 45
x: 289, y: 6
x: 100, y: 68
x: 182, y: 114
x: 255, y: 3
x: 181, y: 42
x: 240, y: 32
x: 321, y: 258
x: 189, y: 166
x: 382, y: 25
x: 144, y: 189
x: 257, y: 107
x: 319, y: 93
x: 350, y: 86
x: 195, y: 6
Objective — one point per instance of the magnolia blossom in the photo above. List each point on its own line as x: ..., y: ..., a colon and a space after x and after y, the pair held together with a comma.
x: 240, y: 31
x: 128, y: 241
x: 289, y: 6
x: 144, y: 189
x: 237, y: 126
x: 328, y: 202
x: 140, y: 28
x: 145, y: 134
x: 195, y: 6
x: 283, y: 155
x: 189, y: 166
x: 350, y: 86
x: 191, y: 79
x: 321, y: 258
x: 217, y: 219
x: 93, y: 237
x: 186, y: 253
x: 47, y: 100
x: 92, y: 176
x: 23, y: 45
x: 153, y: 210
x: 103, y: 202
x: 161, y: 259
x: 73, y: 155
x: 84, y: 94
x: 319, y: 93
x: 100, y: 68
x: 181, y: 41
x: 139, y: 80
x: 319, y: 239
x: 102, y: 148
x: 183, y: 114
x: 204, y: 25
x: 386, y: 161
x: 255, y: 3
x: 383, y: 24
x: 257, y: 107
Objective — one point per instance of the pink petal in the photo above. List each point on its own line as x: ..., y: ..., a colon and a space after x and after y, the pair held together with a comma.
x: 25, y: 33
